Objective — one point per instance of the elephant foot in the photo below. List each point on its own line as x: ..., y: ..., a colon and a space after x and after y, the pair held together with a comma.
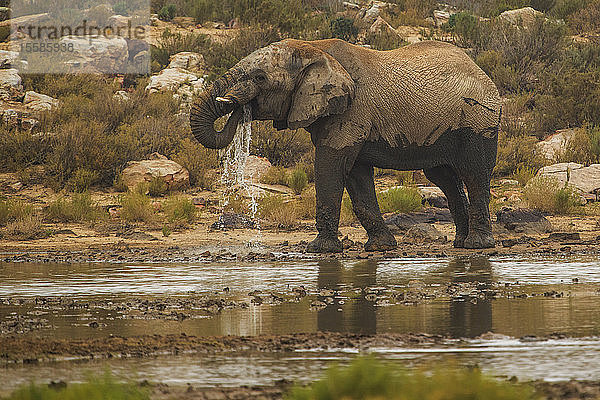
x: 478, y: 240
x: 381, y: 243
x: 325, y: 244
x: 459, y: 241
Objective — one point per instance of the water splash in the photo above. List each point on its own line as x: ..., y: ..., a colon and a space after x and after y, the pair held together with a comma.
x: 236, y: 156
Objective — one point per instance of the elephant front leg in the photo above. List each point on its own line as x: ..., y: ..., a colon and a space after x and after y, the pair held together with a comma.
x: 331, y: 169
x: 361, y: 187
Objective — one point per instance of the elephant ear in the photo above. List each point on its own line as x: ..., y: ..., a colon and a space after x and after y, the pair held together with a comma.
x: 325, y: 88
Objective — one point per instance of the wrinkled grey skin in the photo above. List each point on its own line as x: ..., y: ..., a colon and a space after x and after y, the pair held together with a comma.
x: 425, y: 106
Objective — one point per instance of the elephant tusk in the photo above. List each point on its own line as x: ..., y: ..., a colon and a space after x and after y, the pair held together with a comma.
x: 223, y: 100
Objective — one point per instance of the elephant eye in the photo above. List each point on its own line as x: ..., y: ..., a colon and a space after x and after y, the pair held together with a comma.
x: 259, y: 78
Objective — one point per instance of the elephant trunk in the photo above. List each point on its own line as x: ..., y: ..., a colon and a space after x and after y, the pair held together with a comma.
x: 223, y: 97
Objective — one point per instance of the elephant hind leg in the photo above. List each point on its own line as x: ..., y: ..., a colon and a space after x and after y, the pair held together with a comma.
x: 476, y: 171
x: 446, y: 178
x: 361, y: 188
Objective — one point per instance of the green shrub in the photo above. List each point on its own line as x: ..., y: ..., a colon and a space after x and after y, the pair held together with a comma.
x: 550, y: 195
x: 137, y: 207
x: 275, y: 210
x: 404, y: 178
x: 399, y: 199
x: 198, y: 160
x: 367, y: 378
x: 385, y: 40
x: 13, y: 210
x: 170, y: 43
x: 157, y: 187
x: 307, y: 205
x: 96, y: 388
x: 524, y: 174
x: 515, y: 153
x: 298, y: 180
x: 79, y: 208
x: 275, y: 176
x: 343, y: 28
x: 180, y: 211
x: 27, y: 227
x: 285, y: 147
x: 82, y: 179
x: 20, y: 149
x: 167, y: 13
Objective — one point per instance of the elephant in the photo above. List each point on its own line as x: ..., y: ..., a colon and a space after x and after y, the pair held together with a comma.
x: 426, y: 106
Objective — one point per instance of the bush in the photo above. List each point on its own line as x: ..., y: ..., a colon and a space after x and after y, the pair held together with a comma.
x: 13, y: 210
x: 275, y: 210
x: 284, y: 148
x: 583, y: 147
x: 298, y: 180
x: 170, y: 43
x: 515, y: 153
x: 399, y: 199
x: 343, y: 28
x: 27, y: 227
x: 180, y: 211
x: 198, y: 160
x: 367, y: 378
x: 167, y: 13
x: 307, y: 204
x: 550, y: 195
x: 82, y: 179
x: 20, y: 149
x: 524, y: 174
x: 79, y: 208
x: 137, y: 207
x: 385, y: 40
x: 98, y: 388
x: 275, y: 176
x: 157, y: 187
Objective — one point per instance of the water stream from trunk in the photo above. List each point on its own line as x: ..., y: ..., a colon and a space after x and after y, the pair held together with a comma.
x: 234, y: 177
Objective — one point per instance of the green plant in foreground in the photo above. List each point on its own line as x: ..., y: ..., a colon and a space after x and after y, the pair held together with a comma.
x: 96, y: 388
x: 137, y: 207
x: 399, y: 199
x: 523, y: 174
x: 157, y: 187
x: 548, y: 194
x: 79, y: 208
x: 367, y: 378
x: 298, y: 180
x: 180, y: 210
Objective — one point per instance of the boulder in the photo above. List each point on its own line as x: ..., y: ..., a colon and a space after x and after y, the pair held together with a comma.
x: 559, y: 171
x: 173, y: 79
x: 381, y: 26
x: 187, y: 60
x: 119, y: 21
x: 523, y: 220
x: 39, y: 102
x: 96, y: 54
x: 256, y: 167
x: 11, y: 85
x: 352, y: 6
x: 121, y: 95
x: 424, y: 233
x: 524, y: 17
x: 21, y: 23
x: 404, y: 221
x: 555, y: 144
x: 8, y: 58
x: 585, y: 179
x: 434, y: 196
x: 440, y: 17
x: 174, y: 175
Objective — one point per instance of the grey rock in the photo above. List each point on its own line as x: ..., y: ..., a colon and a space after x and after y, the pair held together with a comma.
x: 405, y: 221
x: 423, y: 233
x: 523, y: 220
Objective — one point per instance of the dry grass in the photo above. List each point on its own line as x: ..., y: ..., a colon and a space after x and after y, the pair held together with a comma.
x: 550, y: 195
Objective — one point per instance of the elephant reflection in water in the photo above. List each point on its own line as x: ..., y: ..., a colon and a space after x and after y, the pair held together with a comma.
x: 464, y: 319
x: 359, y: 316
x: 470, y: 317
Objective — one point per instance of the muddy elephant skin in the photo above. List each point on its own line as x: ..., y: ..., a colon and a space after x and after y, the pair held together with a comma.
x: 424, y: 106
